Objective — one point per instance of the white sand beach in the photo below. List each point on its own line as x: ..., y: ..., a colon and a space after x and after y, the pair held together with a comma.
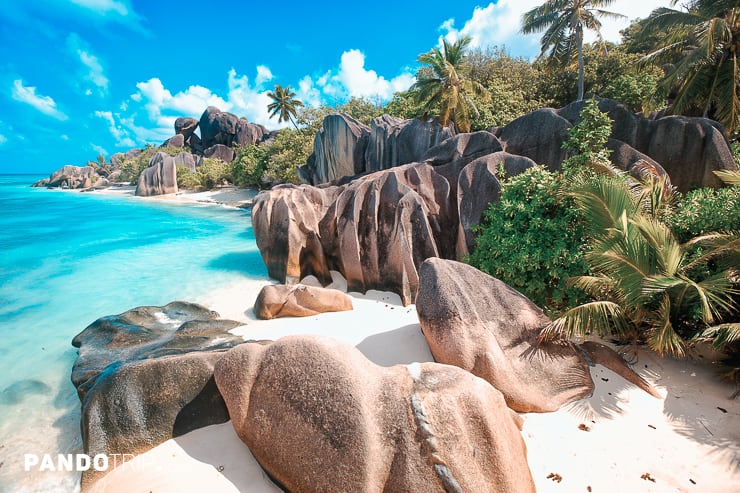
x: 226, y: 195
x: 620, y: 439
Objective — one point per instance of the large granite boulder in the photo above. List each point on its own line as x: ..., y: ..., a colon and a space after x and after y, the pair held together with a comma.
x: 185, y: 126
x: 477, y: 187
x: 394, y: 141
x: 176, y: 141
x: 375, y: 230
x: 539, y: 136
x: 280, y: 300
x: 146, y: 375
x: 219, y: 151
x: 159, y: 178
x: 320, y: 417
x: 217, y: 127
x: 190, y: 161
x: 338, y: 149
x: 74, y: 177
x: 478, y: 323
x: 689, y: 149
x: 249, y: 133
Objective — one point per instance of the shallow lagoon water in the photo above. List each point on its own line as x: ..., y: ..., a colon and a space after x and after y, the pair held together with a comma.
x: 68, y: 258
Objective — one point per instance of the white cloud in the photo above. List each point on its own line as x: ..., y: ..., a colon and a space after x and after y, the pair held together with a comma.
x: 45, y: 104
x: 96, y: 75
x: 104, y: 6
x: 93, y: 70
x: 3, y: 139
x: 98, y: 149
x: 123, y: 139
x: 360, y: 82
x: 64, y: 137
x: 263, y: 75
x: 245, y: 97
x: 499, y: 24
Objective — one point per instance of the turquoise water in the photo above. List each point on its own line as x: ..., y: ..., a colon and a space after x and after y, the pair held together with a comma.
x: 67, y: 258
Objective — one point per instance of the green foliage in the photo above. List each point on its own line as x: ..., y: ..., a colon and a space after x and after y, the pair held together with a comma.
x: 445, y: 87
x: 634, y: 90
x: 284, y: 104
x: 361, y: 109
x: 699, y: 44
x: 405, y: 104
x: 132, y: 168
x: 213, y: 172
x: 707, y: 210
x: 588, y: 138
x: 735, y: 147
x: 186, y: 179
x: 290, y: 150
x: 532, y: 239
x: 645, y: 283
x: 249, y: 165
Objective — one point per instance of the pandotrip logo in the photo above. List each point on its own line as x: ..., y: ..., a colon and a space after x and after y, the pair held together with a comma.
x: 73, y: 462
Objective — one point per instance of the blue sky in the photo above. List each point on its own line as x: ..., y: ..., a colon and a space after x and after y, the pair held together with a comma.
x: 80, y: 78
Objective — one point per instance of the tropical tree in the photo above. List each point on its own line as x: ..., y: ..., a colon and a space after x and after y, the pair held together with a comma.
x: 443, y: 85
x: 643, y: 280
x: 564, y: 22
x: 702, y: 43
x: 283, y: 104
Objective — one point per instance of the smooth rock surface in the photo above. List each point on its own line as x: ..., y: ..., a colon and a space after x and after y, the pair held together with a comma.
x: 159, y: 178
x: 280, y: 300
x: 320, y: 417
x: 145, y: 376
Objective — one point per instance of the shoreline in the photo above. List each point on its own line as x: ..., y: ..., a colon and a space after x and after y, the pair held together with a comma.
x: 619, y: 439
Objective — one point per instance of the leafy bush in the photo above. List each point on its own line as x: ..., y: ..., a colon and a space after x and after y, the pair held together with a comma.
x: 587, y: 139
x: 213, y: 172
x: 290, y: 150
x: 634, y: 90
x: 532, y: 239
x: 249, y: 165
x: 707, y: 210
x: 187, y: 179
x: 132, y: 168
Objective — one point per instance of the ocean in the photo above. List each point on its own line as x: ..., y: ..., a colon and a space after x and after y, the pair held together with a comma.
x: 68, y: 258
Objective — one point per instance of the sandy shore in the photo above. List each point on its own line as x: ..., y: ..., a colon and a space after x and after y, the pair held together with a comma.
x: 619, y: 440
x: 227, y: 195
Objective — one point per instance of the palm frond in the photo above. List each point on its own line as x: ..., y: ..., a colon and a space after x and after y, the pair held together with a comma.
x: 662, y: 337
x: 720, y: 335
x: 729, y: 177
x: 598, y: 317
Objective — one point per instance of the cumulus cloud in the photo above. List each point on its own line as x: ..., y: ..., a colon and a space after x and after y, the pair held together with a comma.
x: 499, y: 24
x: 98, y: 149
x: 246, y: 97
x: 105, y: 7
x: 123, y: 139
x: 44, y: 104
x: 93, y: 72
x: 3, y: 139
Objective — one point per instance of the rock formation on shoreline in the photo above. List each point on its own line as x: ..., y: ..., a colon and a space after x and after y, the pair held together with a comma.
x: 146, y: 375
x: 320, y: 417
x: 377, y: 228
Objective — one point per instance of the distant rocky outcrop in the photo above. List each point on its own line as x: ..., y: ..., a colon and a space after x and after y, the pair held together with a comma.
x: 176, y: 141
x: 219, y: 151
x: 73, y: 177
x: 344, y: 147
x: 185, y: 126
x: 146, y: 375
x: 480, y: 324
x: 320, y: 417
x: 159, y: 178
x: 279, y: 300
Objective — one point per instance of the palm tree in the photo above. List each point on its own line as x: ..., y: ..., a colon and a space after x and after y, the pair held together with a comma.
x: 442, y: 85
x: 283, y: 104
x: 705, y: 41
x: 564, y: 22
x: 643, y: 280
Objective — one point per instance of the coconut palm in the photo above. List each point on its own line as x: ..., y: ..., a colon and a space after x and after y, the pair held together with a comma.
x: 564, y: 22
x: 703, y: 44
x: 642, y: 278
x: 442, y: 85
x: 283, y: 104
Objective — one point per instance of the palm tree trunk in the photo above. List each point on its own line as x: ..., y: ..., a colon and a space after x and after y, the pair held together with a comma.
x: 579, y: 40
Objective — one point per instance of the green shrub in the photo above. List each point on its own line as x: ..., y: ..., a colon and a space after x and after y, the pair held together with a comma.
x: 707, y: 210
x: 213, y: 172
x: 587, y: 140
x: 532, y: 239
x: 249, y: 165
x: 290, y: 150
x: 187, y: 179
x: 132, y: 168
